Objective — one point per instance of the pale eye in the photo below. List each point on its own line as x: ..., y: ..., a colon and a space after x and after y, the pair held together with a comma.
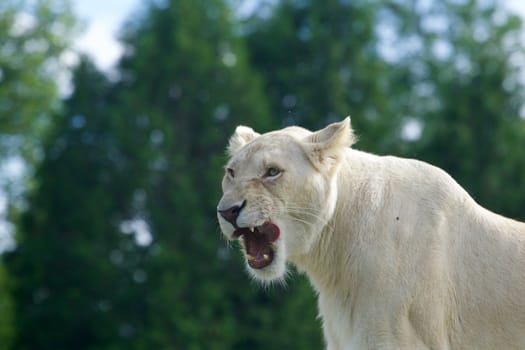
x: 272, y: 172
x: 230, y: 172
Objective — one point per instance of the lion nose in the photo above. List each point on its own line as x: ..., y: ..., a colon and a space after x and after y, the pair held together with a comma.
x: 231, y: 214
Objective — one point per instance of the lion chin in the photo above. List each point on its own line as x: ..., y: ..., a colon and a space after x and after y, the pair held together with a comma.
x: 400, y: 256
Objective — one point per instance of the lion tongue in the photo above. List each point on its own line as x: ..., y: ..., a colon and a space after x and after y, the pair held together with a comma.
x: 271, y: 231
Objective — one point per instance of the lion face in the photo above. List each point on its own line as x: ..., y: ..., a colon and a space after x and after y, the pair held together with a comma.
x: 279, y: 193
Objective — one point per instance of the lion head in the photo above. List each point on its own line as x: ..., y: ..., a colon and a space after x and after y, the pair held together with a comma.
x: 279, y: 192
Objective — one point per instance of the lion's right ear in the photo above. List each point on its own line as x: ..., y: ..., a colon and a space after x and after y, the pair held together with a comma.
x: 325, y: 147
x: 241, y: 137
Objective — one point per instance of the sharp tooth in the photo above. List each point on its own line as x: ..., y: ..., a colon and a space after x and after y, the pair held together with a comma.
x: 252, y: 229
x: 266, y: 257
x: 249, y: 257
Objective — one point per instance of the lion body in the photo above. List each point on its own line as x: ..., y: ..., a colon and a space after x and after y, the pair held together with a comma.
x: 410, y: 261
x: 401, y: 257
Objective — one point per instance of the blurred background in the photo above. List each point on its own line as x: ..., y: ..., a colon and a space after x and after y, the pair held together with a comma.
x: 110, y: 163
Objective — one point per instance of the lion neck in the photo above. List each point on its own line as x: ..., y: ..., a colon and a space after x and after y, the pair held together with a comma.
x: 329, y: 262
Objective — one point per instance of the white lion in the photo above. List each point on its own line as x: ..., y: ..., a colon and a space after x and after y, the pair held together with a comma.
x: 399, y: 254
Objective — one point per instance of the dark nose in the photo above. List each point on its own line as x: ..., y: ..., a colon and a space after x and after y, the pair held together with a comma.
x: 232, y: 213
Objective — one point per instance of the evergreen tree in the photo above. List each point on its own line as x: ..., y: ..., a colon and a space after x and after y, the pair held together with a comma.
x: 321, y: 62
x: 186, y: 75
x: 33, y: 37
x: 467, y: 94
x: 7, y: 326
x: 73, y: 269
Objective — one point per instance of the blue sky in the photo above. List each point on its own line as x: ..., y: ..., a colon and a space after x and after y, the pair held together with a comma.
x: 102, y: 19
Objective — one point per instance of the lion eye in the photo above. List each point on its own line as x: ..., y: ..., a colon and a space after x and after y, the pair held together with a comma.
x: 272, y: 172
x: 230, y: 172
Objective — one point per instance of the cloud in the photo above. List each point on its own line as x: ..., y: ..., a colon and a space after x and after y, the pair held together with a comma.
x: 99, y: 43
x: 103, y: 19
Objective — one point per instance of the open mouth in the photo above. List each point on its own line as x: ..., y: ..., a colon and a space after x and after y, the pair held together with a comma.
x: 258, y: 243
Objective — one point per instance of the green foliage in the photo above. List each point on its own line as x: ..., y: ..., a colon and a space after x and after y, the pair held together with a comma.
x: 143, y: 154
x: 467, y: 96
x: 33, y: 37
x: 200, y: 297
x: 7, y: 329
x: 73, y: 269
x: 321, y: 62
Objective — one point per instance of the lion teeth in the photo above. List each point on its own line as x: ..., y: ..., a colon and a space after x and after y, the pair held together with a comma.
x: 250, y: 257
x: 252, y: 229
x: 266, y: 257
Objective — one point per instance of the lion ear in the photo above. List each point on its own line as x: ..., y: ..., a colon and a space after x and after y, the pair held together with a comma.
x: 324, y: 147
x: 241, y: 137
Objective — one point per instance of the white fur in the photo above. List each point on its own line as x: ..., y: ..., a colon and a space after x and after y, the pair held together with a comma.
x: 399, y: 254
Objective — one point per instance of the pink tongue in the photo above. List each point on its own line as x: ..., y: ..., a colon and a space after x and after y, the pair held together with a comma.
x: 271, y: 231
